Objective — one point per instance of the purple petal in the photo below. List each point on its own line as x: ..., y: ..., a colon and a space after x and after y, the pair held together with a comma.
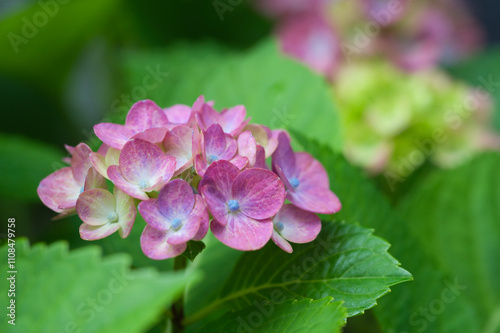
x: 231, y: 148
x: 216, y: 188
x: 281, y: 242
x: 126, y: 211
x: 247, y: 146
x: 242, y: 232
x: 178, y: 113
x: 133, y: 190
x: 188, y: 230
x: 200, y: 165
x: 151, y: 213
x: 143, y: 163
x: 208, y: 116
x: 154, y: 244
x: 283, y: 178
x: 260, y: 158
x: 59, y: 189
x: 260, y: 193
x: 215, y: 141
x: 113, y: 135
x: 299, y: 226
x: 176, y: 200
x: 145, y: 114
x: 93, y: 232
x: 95, y: 206
x: 80, y: 162
x: 284, y: 157
x: 317, y: 200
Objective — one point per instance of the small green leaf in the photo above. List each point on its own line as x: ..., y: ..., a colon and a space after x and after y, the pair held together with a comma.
x: 193, y: 249
x: 24, y: 164
x: 306, y: 315
x: 59, y: 291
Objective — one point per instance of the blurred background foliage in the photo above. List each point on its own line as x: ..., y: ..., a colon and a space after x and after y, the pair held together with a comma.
x: 89, y: 60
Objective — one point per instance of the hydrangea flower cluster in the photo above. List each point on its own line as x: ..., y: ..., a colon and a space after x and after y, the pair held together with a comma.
x: 189, y: 169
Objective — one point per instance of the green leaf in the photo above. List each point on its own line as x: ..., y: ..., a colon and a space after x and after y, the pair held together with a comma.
x: 47, y: 36
x: 63, y: 291
x: 400, y: 310
x: 277, y: 91
x: 292, y: 317
x: 216, y: 263
x: 483, y: 71
x: 24, y: 164
x: 454, y: 215
x: 345, y: 262
x: 193, y: 249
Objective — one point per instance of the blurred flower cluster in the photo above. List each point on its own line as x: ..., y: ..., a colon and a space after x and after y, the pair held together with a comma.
x: 382, y: 57
x: 183, y: 166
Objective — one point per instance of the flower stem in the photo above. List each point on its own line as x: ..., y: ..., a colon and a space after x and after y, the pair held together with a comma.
x: 180, y: 263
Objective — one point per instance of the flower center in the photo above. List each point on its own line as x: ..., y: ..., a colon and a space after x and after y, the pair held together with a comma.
x: 233, y: 205
x: 212, y: 158
x: 278, y: 226
x: 294, y: 182
x: 112, y: 217
x: 176, y: 224
x: 144, y: 184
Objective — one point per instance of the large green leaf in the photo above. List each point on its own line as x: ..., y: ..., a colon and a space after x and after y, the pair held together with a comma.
x: 59, y: 291
x: 346, y: 262
x: 455, y: 216
x: 408, y: 307
x: 306, y: 315
x: 40, y: 42
x: 24, y: 163
x: 483, y: 71
x: 277, y: 91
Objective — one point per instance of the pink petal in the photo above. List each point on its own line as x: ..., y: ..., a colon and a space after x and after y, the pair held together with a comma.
x: 242, y: 232
x: 240, y: 162
x: 198, y: 104
x: 200, y: 210
x: 247, y: 146
x: 232, y: 119
x: 283, y: 178
x: 92, y: 232
x: 215, y: 141
x: 95, y: 206
x: 113, y: 135
x: 200, y: 165
x: 281, y: 242
x: 284, y: 157
x: 80, y: 162
x: 145, y: 114
x: 188, y: 230
x: 299, y: 226
x: 208, y: 116
x: 151, y: 213
x: 153, y: 135
x: 126, y: 211
x: 154, y: 244
x: 59, y: 189
x: 143, y: 163
x: 176, y: 200
x: 178, y: 113
x: 69, y: 149
x: 310, y: 171
x: 178, y: 143
x: 317, y: 200
x: 99, y: 163
x: 94, y: 180
x: 260, y: 193
x: 133, y: 190
x: 216, y: 188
